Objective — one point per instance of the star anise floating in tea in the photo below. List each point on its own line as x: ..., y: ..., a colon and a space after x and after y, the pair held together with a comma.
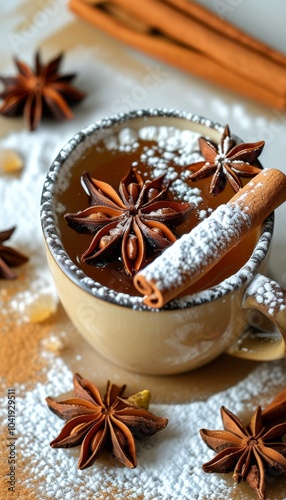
x: 97, y: 423
x: 9, y: 257
x: 226, y: 161
x: 38, y: 92
x: 251, y: 452
x: 128, y: 221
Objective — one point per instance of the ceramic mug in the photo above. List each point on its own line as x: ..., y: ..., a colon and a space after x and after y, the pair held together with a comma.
x: 185, y: 334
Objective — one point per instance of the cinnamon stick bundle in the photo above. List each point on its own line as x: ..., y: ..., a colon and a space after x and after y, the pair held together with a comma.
x: 190, y: 37
x: 195, y: 253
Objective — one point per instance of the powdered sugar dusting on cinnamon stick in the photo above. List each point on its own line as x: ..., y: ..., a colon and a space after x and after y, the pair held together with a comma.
x: 205, y: 243
x: 190, y: 257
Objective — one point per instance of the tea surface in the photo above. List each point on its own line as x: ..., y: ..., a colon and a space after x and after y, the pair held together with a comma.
x: 153, y: 151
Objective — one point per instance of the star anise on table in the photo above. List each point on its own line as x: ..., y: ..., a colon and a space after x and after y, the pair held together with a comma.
x: 132, y: 219
x: 226, y: 161
x: 98, y: 423
x: 252, y: 452
x: 9, y: 257
x: 38, y: 92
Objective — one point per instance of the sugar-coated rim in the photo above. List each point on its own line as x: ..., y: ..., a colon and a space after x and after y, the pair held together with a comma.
x: 71, y: 152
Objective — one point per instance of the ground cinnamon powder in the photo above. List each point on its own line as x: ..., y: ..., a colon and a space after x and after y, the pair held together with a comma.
x: 19, y: 355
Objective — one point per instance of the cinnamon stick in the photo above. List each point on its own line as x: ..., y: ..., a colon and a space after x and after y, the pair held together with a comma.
x: 195, y: 253
x: 227, y: 29
x: 177, y: 55
x: 234, y: 56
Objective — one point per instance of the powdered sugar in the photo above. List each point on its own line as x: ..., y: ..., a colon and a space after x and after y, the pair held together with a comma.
x: 172, y: 145
x: 20, y: 201
x: 268, y: 293
x: 169, y: 462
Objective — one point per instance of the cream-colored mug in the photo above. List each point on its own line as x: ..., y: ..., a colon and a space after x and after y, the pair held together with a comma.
x: 187, y: 333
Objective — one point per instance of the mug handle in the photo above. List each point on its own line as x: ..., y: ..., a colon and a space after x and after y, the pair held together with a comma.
x: 269, y: 298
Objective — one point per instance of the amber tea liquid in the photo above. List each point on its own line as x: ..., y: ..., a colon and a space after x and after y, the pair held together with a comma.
x: 153, y: 151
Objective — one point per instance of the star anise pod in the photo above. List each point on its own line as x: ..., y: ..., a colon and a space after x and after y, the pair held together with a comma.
x: 9, y: 257
x: 131, y: 218
x: 97, y: 423
x: 226, y: 161
x: 251, y: 452
x: 275, y: 412
x: 34, y: 93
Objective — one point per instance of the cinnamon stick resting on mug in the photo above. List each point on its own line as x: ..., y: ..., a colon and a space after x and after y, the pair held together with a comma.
x: 195, y: 253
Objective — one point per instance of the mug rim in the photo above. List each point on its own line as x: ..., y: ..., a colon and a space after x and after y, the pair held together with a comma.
x: 75, y: 146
